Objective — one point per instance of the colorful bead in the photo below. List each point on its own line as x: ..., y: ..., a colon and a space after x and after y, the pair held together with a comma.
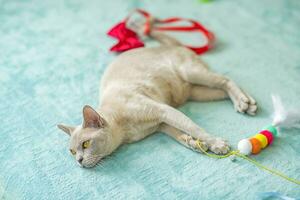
x: 263, y: 140
x: 245, y: 147
x: 258, y: 142
x: 272, y: 129
x: 269, y: 136
x: 256, y: 145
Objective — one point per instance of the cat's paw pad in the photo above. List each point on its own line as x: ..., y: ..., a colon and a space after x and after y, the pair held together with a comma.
x: 219, y: 146
x: 245, y: 104
x: 252, y: 108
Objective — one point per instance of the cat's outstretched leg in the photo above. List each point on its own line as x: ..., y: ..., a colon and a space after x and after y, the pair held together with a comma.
x: 204, y: 93
x: 242, y: 102
x: 178, y: 120
x: 184, y: 139
x: 197, y: 73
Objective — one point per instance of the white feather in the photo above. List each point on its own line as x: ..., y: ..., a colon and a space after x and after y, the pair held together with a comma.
x: 284, y: 118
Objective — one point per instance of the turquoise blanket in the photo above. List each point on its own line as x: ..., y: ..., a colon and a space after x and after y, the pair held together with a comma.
x: 52, y: 56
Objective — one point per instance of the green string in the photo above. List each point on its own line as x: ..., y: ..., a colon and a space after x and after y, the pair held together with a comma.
x: 257, y: 164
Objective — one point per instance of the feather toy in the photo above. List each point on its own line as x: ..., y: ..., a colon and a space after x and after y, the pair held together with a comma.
x: 282, y: 118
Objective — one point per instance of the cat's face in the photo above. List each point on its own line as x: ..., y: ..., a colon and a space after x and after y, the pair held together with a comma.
x: 89, y: 142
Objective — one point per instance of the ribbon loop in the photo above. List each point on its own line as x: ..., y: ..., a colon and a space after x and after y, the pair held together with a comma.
x: 128, y: 39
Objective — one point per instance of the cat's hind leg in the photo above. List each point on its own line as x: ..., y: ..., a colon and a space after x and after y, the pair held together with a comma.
x: 204, y: 93
x: 197, y: 73
x: 184, y: 139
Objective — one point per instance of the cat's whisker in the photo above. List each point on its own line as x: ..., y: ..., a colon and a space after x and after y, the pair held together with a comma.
x: 100, y: 164
x: 110, y: 157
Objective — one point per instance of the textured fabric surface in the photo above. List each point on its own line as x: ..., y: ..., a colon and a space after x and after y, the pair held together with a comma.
x: 52, y: 56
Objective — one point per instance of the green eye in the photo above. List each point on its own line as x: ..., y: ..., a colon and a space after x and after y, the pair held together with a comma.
x: 72, y: 152
x: 86, y: 144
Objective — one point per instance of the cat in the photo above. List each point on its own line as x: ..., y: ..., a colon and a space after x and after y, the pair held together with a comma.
x: 139, y: 93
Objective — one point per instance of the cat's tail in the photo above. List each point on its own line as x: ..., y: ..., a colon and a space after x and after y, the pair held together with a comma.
x: 164, y: 39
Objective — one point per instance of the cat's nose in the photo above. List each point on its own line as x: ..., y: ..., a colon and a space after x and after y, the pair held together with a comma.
x: 80, y: 160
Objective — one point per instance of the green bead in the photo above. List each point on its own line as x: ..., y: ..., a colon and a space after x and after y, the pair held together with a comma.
x: 272, y: 129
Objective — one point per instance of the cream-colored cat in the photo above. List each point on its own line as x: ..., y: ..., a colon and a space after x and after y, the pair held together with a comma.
x: 139, y: 94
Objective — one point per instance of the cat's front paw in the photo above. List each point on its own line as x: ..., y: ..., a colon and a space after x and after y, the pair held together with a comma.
x: 194, y: 144
x: 199, y: 146
x: 218, y: 146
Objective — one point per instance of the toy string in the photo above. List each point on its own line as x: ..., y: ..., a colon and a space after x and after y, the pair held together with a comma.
x: 257, y: 164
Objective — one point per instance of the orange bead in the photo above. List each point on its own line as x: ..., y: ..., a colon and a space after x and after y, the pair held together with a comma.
x: 256, y: 145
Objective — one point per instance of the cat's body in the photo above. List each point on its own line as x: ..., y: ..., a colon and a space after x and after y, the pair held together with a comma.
x: 138, y: 96
x: 132, y: 84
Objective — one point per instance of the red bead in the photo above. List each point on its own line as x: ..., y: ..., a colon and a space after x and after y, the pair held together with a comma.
x: 269, y: 136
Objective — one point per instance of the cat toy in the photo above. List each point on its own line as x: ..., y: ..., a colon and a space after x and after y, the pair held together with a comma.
x: 282, y: 119
x: 258, y: 142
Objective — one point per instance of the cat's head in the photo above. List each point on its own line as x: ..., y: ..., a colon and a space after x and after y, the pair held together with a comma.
x: 89, y: 142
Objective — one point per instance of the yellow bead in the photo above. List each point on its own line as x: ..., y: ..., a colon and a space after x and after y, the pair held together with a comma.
x: 263, y: 139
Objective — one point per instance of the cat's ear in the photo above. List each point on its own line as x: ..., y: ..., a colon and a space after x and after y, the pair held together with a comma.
x: 66, y: 129
x: 91, y: 119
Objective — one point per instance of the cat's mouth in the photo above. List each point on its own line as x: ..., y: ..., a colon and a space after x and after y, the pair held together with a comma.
x: 90, y: 162
x: 88, y: 165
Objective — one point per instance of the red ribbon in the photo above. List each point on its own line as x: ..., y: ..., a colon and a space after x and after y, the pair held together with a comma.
x: 128, y: 39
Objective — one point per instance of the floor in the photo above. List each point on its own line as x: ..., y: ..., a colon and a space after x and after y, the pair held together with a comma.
x: 53, y: 54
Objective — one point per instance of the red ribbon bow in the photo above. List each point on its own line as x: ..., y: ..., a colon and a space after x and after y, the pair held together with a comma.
x: 128, y: 39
